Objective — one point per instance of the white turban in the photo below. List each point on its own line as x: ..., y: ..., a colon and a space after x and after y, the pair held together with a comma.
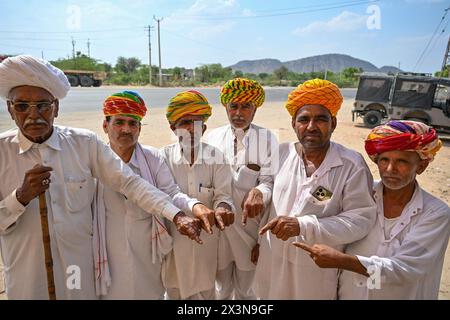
x: 26, y: 70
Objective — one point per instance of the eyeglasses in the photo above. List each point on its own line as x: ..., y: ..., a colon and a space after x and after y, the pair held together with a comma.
x: 23, y: 107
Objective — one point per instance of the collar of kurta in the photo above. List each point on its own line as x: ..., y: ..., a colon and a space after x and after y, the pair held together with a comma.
x: 25, y: 144
x: 412, y: 208
x: 250, y: 131
x: 133, y: 160
x: 332, y: 159
x: 199, y: 159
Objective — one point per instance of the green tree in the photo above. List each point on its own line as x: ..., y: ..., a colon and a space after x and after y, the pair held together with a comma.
x: 127, y: 65
x: 281, y: 73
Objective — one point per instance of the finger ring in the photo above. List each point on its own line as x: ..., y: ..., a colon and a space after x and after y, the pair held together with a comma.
x: 45, y: 182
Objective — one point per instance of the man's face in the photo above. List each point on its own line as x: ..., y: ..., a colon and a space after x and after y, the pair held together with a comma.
x: 34, y: 110
x: 241, y: 115
x: 189, y: 128
x: 314, y: 125
x: 122, y: 131
x: 399, y: 168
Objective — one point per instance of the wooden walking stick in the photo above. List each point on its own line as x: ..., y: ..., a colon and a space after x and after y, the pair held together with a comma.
x: 47, y: 247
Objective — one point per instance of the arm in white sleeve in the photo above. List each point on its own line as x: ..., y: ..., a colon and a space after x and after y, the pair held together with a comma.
x: 223, y: 177
x: 353, y: 223
x: 424, y: 244
x: 166, y: 183
x: 113, y: 173
x: 10, y: 211
x: 269, y: 167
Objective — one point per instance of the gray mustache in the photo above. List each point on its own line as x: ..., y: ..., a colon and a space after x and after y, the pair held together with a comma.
x: 33, y: 122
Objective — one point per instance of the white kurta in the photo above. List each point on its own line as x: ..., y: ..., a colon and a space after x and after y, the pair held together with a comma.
x: 408, y: 262
x: 284, y: 271
x: 191, y: 267
x: 258, y: 146
x: 129, y: 234
x: 77, y: 157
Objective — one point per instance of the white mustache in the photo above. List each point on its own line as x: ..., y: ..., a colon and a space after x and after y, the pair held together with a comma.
x: 32, y: 122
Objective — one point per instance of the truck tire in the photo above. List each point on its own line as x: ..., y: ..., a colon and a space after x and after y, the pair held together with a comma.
x: 73, y: 80
x: 372, y: 118
x: 86, y: 81
x: 97, y: 83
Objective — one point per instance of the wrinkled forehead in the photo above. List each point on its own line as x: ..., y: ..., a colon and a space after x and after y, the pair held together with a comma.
x: 397, y: 155
x: 30, y: 93
x: 313, y: 110
x: 189, y: 118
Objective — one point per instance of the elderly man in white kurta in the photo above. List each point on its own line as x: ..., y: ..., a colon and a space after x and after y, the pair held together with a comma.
x: 200, y: 171
x: 136, y: 243
x: 322, y: 194
x: 252, y: 152
x: 403, y: 254
x: 62, y: 162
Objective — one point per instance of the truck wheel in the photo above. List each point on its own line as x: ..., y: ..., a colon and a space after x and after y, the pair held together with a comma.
x: 86, y: 81
x: 97, y: 83
x: 73, y: 80
x: 372, y: 118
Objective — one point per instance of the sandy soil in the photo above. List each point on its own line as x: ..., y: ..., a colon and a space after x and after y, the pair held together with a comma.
x: 156, y: 132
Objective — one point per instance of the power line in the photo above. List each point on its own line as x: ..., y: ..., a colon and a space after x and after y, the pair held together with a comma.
x: 277, y: 14
x: 431, y: 39
x: 284, y: 9
x: 71, y: 32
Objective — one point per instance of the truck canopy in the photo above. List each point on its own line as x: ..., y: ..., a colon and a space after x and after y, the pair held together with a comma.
x: 374, y: 87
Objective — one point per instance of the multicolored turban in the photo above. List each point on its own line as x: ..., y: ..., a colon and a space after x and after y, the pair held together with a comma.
x: 316, y: 91
x: 242, y: 90
x: 185, y: 103
x: 126, y: 103
x: 403, y: 136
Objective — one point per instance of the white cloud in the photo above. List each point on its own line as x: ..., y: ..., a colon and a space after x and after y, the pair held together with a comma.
x: 203, y: 19
x: 345, y: 21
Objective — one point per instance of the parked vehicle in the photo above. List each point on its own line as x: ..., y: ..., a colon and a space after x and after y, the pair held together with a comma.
x: 404, y: 96
x: 372, y: 98
x: 85, y: 78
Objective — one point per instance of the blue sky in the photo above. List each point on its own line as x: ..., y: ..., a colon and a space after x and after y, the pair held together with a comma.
x: 195, y: 32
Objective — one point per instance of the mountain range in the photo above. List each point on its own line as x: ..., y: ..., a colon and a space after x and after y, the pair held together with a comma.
x: 331, y: 62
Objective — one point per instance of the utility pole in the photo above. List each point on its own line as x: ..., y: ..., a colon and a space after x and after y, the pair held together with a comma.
x: 159, y: 49
x: 42, y: 54
x: 150, y: 76
x: 446, y: 59
x: 73, y: 48
x: 89, y: 48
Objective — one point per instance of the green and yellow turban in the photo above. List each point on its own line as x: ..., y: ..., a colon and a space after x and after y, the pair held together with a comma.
x: 242, y: 90
x: 316, y: 91
x: 188, y: 103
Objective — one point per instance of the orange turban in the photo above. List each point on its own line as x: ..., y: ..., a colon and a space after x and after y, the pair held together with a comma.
x: 316, y: 91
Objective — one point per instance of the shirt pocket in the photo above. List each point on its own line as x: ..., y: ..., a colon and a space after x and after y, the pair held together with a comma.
x: 312, y: 206
x: 206, y: 195
x: 79, y: 193
x: 246, y: 178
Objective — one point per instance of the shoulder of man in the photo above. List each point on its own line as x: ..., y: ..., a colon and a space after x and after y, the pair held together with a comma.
x: 434, y: 205
x: 75, y: 132
x: 350, y: 156
x: 7, y: 135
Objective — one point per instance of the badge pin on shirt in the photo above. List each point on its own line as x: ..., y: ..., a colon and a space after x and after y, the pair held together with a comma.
x: 322, y: 194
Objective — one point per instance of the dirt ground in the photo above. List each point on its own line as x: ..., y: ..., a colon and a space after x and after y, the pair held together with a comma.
x: 156, y: 132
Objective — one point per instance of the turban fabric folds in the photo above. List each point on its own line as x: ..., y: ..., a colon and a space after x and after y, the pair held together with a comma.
x: 315, y: 92
x: 403, y: 136
x: 128, y: 103
x: 242, y: 90
x: 25, y: 70
x: 185, y: 103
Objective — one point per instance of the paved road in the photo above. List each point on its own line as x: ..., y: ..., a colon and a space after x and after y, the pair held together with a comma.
x: 90, y: 99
